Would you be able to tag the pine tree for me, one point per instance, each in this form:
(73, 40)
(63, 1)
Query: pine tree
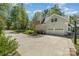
(19, 17)
(54, 10)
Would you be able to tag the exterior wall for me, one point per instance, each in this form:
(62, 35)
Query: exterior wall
(41, 27)
(34, 24)
(60, 27)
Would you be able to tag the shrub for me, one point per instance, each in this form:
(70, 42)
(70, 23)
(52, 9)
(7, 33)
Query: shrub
(7, 45)
(29, 32)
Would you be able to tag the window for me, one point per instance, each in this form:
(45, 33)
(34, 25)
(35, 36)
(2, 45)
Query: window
(55, 19)
(52, 20)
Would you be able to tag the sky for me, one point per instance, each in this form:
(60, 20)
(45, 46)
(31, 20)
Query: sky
(67, 8)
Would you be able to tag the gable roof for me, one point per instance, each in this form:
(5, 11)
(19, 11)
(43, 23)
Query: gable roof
(55, 15)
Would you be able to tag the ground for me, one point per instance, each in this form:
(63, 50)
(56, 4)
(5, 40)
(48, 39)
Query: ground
(43, 45)
(77, 45)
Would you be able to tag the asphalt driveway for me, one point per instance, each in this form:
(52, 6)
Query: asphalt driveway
(43, 45)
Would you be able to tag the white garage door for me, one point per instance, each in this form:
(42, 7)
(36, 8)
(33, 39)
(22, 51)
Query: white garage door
(56, 31)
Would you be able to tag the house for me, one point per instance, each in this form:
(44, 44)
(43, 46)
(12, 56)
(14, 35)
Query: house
(54, 24)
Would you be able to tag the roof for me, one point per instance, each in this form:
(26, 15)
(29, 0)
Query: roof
(57, 16)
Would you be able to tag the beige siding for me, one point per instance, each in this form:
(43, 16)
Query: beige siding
(60, 27)
(41, 27)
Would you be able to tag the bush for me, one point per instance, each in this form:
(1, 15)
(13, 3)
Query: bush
(7, 45)
(30, 32)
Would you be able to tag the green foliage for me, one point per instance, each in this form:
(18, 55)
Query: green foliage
(3, 13)
(7, 45)
(19, 17)
(37, 16)
(77, 46)
(30, 32)
(54, 10)
(4, 6)
(1, 25)
(8, 24)
(72, 19)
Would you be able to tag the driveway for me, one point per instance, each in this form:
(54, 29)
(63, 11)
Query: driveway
(43, 45)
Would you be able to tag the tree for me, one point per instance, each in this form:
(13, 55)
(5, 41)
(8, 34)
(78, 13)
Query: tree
(4, 12)
(44, 13)
(72, 19)
(7, 45)
(54, 10)
(1, 25)
(8, 23)
(3, 15)
(24, 20)
(19, 17)
(37, 18)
